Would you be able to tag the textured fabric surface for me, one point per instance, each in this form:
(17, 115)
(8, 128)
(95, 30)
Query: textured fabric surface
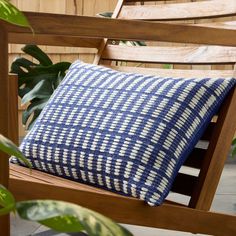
(123, 132)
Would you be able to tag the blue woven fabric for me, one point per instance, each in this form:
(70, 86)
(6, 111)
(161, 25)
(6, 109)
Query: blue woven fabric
(127, 133)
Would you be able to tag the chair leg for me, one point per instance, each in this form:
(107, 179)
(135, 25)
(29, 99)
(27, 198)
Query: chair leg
(13, 130)
(4, 119)
(5, 225)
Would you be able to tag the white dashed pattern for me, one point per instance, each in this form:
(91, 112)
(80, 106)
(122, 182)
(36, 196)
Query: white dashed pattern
(123, 132)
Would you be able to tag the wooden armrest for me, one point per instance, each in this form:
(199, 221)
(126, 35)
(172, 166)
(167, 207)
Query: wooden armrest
(94, 27)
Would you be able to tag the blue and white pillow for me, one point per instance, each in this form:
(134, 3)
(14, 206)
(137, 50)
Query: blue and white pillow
(123, 132)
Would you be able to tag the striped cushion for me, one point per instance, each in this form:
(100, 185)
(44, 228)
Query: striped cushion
(127, 133)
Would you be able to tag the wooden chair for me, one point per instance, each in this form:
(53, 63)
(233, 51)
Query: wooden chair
(194, 215)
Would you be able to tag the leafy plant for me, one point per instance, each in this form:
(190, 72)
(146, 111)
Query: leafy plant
(11, 14)
(167, 66)
(57, 215)
(233, 151)
(12, 150)
(37, 81)
(106, 14)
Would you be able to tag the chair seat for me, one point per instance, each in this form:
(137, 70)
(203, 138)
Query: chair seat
(34, 176)
(22, 176)
(26, 184)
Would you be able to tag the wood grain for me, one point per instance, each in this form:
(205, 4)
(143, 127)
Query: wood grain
(103, 44)
(122, 209)
(175, 55)
(220, 24)
(13, 110)
(216, 155)
(180, 11)
(4, 119)
(175, 72)
(79, 26)
(53, 40)
(72, 7)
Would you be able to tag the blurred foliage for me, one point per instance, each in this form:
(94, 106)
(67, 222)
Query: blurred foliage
(57, 215)
(11, 14)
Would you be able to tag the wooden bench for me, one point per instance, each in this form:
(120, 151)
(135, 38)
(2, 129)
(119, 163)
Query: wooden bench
(214, 44)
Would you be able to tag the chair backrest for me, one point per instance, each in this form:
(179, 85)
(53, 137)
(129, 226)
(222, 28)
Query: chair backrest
(184, 60)
(181, 10)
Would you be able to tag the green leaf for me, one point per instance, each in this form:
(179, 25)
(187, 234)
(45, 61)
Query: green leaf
(34, 118)
(234, 142)
(11, 14)
(55, 215)
(35, 107)
(97, 224)
(16, 69)
(58, 80)
(7, 201)
(61, 66)
(38, 73)
(25, 117)
(141, 43)
(167, 66)
(41, 90)
(132, 43)
(38, 54)
(68, 217)
(69, 224)
(33, 77)
(23, 91)
(105, 14)
(233, 152)
(21, 63)
(11, 149)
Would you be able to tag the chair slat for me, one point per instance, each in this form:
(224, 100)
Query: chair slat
(175, 55)
(221, 25)
(129, 1)
(216, 155)
(176, 72)
(180, 11)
